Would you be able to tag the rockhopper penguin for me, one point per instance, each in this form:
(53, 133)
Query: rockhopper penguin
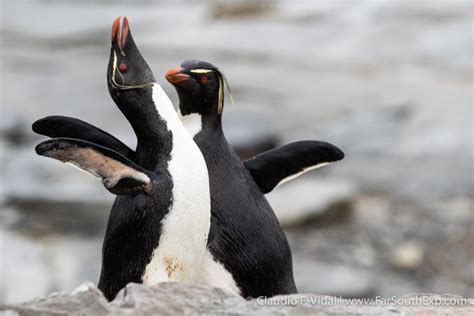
(159, 223)
(245, 234)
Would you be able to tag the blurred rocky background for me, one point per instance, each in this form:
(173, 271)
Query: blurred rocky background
(390, 82)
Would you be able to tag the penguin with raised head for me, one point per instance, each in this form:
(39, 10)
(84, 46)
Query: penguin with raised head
(246, 236)
(159, 223)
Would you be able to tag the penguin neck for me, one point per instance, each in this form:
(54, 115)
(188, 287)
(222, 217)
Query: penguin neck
(153, 132)
(160, 147)
(166, 111)
(199, 123)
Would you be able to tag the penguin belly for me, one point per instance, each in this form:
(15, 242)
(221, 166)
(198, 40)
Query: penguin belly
(181, 251)
(215, 274)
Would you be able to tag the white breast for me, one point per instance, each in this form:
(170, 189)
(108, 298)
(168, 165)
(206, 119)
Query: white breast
(215, 274)
(192, 122)
(182, 254)
(182, 250)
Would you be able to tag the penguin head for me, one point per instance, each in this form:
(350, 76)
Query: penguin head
(133, 88)
(200, 88)
(128, 74)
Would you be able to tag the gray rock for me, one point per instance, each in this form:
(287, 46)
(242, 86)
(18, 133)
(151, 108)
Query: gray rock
(306, 199)
(14, 129)
(246, 141)
(86, 300)
(330, 279)
(180, 299)
(408, 256)
(21, 254)
(240, 9)
(35, 265)
(43, 216)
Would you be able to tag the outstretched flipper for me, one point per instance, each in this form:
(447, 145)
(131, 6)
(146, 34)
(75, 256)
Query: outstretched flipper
(63, 126)
(282, 164)
(118, 174)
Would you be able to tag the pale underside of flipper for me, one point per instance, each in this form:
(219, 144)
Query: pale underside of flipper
(118, 174)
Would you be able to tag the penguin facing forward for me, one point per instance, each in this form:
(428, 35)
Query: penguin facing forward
(159, 223)
(246, 235)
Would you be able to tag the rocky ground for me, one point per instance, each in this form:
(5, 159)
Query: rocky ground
(179, 299)
(390, 82)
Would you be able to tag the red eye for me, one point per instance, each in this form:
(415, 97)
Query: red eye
(122, 67)
(204, 80)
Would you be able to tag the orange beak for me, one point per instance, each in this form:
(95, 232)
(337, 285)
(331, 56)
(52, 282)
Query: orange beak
(175, 76)
(120, 30)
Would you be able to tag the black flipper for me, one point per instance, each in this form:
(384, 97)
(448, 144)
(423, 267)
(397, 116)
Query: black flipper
(279, 165)
(118, 174)
(63, 126)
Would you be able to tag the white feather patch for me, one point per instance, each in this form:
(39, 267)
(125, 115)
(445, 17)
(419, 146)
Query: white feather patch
(193, 123)
(215, 274)
(296, 175)
(182, 250)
